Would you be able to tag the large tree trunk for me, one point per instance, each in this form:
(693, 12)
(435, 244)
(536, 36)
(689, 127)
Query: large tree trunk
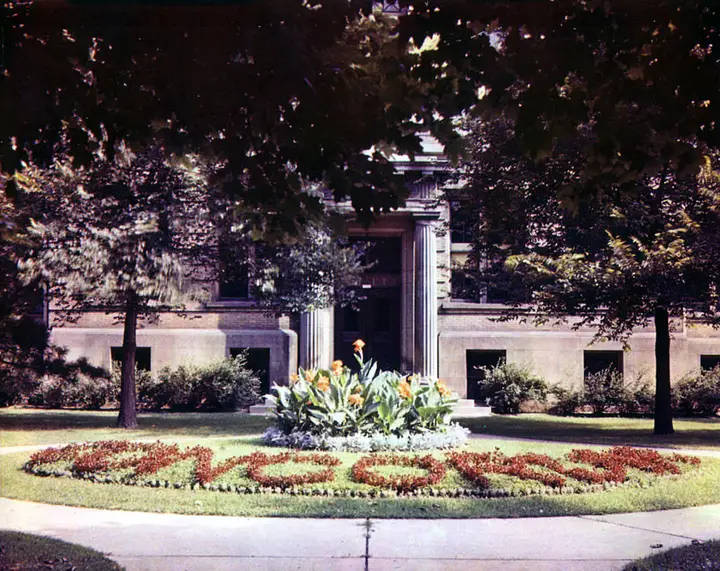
(663, 408)
(128, 399)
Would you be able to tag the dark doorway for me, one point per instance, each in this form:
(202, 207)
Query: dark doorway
(258, 360)
(376, 317)
(475, 360)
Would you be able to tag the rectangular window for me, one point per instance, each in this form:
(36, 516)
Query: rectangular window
(475, 360)
(381, 255)
(234, 272)
(596, 361)
(709, 362)
(258, 360)
(462, 224)
(142, 357)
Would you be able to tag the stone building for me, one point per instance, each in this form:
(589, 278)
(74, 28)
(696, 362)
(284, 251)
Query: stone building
(409, 316)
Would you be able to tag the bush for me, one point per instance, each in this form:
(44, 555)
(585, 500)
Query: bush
(605, 392)
(507, 385)
(336, 402)
(225, 385)
(698, 393)
(78, 391)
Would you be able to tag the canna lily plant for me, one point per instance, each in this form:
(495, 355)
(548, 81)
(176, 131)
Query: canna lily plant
(339, 402)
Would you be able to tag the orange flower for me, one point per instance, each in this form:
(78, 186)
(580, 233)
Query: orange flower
(337, 367)
(309, 376)
(323, 384)
(294, 378)
(358, 389)
(358, 345)
(356, 400)
(404, 389)
(442, 389)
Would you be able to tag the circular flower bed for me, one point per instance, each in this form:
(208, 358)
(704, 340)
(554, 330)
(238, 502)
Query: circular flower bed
(581, 470)
(362, 472)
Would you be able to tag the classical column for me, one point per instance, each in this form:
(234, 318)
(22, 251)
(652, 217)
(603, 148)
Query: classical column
(316, 338)
(426, 324)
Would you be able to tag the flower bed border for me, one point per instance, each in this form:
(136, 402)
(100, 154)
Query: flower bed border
(473, 465)
(362, 472)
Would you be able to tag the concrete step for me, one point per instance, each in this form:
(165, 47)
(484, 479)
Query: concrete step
(467, 408)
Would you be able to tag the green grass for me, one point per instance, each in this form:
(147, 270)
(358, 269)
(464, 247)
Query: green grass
(23, 427)
(609, 431)
(703, 556)
(33, 552)
(697, 487)
(20, 427)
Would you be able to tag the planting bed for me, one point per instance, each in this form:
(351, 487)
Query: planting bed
(452, 474)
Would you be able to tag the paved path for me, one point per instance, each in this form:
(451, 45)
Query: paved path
(168, 542)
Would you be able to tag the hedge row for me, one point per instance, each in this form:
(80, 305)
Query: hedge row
(507, 386)
(221, 386)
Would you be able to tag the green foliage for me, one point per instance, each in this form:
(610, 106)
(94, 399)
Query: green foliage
(57, 383)
(320, 270)
(507, 385)
(336, 402)
(605, 392)
(221, 386)
(698, 393)
(283, 92)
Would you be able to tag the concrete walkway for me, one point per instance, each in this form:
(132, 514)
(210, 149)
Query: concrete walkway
(165, 542)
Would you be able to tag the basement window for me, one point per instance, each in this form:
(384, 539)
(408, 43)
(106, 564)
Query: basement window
(596, 361)
(142, 357)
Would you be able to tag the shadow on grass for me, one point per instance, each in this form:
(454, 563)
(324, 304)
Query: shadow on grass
(698, 433)
(194, 424)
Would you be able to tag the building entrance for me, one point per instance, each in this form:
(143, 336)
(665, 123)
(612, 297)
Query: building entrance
(376, 319)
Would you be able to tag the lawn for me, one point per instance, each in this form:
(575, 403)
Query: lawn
(698, 486)
(610, 431)
(236, 434)
(696, 557)
(20, 427)
(33, 552)
(24, 427)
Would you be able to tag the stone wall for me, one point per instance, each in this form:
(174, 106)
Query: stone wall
(556, 352)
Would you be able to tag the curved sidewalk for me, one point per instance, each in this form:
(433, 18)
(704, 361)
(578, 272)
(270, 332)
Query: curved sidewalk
(168, 542)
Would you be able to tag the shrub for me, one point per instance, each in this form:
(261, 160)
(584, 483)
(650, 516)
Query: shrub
(78, 391)
(507, 385)
(224, 385)
(605, 392)
(698, 393)
(336, 402)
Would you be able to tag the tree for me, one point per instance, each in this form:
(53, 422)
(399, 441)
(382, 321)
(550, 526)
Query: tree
(635, 84)
(618, 263)
(322, 269)
(281, 92)
(131, 234)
